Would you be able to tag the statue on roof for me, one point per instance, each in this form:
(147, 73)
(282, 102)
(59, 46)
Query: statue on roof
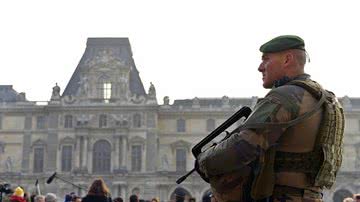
(166, 100)
(55, 92)
(152, 91)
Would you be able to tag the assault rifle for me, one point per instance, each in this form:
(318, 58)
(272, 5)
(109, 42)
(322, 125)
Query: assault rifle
(197, 149)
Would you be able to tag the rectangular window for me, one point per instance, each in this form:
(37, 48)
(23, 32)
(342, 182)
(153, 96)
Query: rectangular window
(107, 92)
(40, 122)
(0, 121)
(38, 160)
(136, 158)
(181, 125)
(66, 158)
(68, 121)
(180, 160)
(102, 121)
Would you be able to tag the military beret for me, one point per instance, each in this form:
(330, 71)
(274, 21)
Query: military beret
(282, 43)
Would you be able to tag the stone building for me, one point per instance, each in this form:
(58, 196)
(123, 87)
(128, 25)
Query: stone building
(106, 125)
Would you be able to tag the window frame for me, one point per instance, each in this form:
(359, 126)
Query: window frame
(38, 164)
(66, 158)
(180, 164)
(41, 122)
(181, 125)
(136, 158)
(68, 123)
(103, 121)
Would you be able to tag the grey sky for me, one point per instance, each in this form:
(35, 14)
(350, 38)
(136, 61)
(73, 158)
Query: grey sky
(186, 48)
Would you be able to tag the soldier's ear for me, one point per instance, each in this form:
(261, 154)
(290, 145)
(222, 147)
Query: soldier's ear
(288, 59)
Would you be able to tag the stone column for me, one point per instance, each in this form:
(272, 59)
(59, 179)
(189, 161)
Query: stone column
(163, 193)
(77, 152)
(114, 191)
(116, 153)
(89, 155)
(81, 147)
(124, 151)
(84, 152)
(123, 192)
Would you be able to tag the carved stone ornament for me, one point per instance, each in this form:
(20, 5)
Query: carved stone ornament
(166, 100)
(225, 101)
(83, 119)
(136, 99)
(104, 59)
(83, 86)
(196, 102)
(121, 120)
(9, 164)
(164, 163)
(68, 99)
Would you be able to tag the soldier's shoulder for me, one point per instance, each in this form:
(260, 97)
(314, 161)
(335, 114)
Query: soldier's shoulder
(287, 90)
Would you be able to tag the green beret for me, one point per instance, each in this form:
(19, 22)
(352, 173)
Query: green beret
(282, 43)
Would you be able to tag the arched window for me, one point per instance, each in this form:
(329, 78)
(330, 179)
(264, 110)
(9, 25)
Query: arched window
(66, 158)
(210, 125)
(68, 121)
(181, 160)
(101, 157)
(181, 125)
(102, 121)
(137, 121)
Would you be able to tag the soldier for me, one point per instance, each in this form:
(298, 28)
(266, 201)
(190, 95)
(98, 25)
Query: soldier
(290, 147)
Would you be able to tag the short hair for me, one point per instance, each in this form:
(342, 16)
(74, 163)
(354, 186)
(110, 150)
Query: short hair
(50, 197)
(39, 198)
(300, 56)
(133, 198)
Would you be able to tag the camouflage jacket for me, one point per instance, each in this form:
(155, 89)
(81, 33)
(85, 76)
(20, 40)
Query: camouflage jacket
(282, 104)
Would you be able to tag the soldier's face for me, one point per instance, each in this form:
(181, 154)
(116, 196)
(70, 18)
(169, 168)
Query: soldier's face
(271, 69)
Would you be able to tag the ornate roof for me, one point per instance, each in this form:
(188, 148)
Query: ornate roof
(106, 50)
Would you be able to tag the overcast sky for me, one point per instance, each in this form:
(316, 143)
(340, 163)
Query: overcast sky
(187, 48)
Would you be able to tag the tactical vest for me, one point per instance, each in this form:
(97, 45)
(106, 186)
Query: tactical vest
(324, 161)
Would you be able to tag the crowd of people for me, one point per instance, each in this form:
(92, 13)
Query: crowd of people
(98, 192)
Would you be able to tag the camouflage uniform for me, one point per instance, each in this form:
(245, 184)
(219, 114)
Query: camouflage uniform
(229, 163)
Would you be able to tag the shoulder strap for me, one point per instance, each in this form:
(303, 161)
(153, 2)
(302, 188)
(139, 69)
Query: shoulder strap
(306, 115)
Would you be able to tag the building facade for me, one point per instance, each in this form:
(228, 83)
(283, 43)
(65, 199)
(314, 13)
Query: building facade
(104, 124)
